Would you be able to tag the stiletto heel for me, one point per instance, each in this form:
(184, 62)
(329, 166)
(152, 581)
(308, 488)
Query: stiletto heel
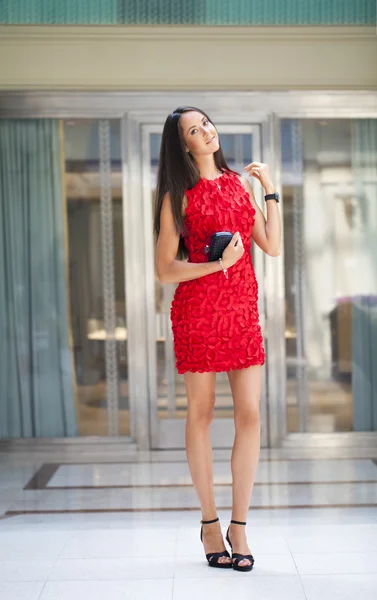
(213, 557)
(239, 557)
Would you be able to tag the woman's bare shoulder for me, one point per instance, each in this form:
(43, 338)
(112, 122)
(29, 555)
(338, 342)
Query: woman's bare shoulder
(168, 205)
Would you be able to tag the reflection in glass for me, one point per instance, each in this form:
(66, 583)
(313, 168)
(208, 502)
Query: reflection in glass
(87, 284)
(330, 231)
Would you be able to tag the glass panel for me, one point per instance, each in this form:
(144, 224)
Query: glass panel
(330, 232)
(102, 377)
(171, 392)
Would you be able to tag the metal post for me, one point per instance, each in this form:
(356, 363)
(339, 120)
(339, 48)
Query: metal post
(112, 379)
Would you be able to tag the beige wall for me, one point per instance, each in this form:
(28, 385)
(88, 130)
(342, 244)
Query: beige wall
(202, 58)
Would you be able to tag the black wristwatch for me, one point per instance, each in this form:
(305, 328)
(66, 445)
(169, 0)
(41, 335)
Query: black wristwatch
(274, 196)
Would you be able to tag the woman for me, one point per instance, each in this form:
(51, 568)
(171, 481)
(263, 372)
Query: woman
(214, 312)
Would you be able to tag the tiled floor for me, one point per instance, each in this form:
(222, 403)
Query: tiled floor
(312, 526)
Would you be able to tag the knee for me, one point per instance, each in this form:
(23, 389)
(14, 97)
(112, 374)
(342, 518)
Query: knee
(248, 417)
(200, 416)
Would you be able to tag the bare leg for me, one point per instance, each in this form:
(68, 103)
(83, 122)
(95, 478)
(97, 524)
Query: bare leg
(201, 399)
(246, 389)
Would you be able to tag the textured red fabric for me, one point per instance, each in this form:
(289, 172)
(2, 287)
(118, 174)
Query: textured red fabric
(215, 320)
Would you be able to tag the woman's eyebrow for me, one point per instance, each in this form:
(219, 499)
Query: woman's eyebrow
(195, 125)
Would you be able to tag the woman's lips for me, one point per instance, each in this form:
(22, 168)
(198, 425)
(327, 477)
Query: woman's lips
(210, 140)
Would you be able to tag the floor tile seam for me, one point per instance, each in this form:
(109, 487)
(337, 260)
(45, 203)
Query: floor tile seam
(297, 571)
(173, 577)
(143, 577)
(300, 458)
(42, 590)
(258, 577)
(260, 553)
(176, 560)
(7, 506)
(110, 559)
(191, 486)
(291, 554)
(337, 553)
(138, 579)
(15, 560)
(369, 460)
(42, 581)
(129, 510)
(59, 557)
(302, 587)
(175, 548)
(341, 575)
(338, 574)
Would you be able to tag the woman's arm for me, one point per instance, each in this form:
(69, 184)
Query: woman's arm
(266, 234)
(169, 269)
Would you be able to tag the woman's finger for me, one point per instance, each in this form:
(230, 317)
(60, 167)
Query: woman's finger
(239, 243)
(254, 164)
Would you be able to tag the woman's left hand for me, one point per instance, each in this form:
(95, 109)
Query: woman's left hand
(260, 171)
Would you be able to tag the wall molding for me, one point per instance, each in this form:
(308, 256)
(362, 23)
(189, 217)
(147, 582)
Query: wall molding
(35, 57)
(110, 33)
(244, 106)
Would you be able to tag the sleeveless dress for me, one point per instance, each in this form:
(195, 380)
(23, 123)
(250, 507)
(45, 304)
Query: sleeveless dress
(215, 321)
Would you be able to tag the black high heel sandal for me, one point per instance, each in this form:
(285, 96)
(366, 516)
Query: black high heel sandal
(213, 557)
(239, 557)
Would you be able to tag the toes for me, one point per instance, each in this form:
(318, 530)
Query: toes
(222, 559)
(244, 563)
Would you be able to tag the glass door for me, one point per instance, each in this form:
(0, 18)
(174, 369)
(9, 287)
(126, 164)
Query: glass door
(93, 189)
(329, 180)
(168, 403)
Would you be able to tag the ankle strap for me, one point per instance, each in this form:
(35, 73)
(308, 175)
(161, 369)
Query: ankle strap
(207, 522)
(238, 522)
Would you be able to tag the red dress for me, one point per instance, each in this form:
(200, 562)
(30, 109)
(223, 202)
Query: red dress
(215, 320)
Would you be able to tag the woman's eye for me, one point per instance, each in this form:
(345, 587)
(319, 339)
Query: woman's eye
(205, 122)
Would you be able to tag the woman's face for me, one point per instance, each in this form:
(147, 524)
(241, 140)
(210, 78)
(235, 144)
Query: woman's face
(199, 134)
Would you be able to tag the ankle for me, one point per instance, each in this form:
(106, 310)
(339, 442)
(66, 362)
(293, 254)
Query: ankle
(237, 530)
(209, 520)
(211, 529)
(238, 522)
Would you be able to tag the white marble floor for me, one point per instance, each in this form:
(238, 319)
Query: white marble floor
(312, 528)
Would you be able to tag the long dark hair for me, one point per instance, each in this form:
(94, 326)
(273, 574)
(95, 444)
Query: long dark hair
(177, 171)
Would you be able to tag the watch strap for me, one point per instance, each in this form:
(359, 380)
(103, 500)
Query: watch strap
(274, 196)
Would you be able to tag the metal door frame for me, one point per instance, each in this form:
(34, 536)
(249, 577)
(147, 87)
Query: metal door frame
(170, 432)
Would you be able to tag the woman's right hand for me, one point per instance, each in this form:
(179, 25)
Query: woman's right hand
(233, 252)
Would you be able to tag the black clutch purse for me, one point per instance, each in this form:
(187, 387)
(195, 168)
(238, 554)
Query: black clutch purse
(219, 242)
